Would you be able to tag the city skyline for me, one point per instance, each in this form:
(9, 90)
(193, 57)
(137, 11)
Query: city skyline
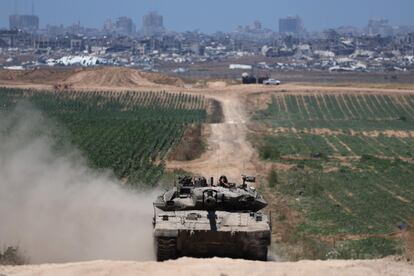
(227, 15)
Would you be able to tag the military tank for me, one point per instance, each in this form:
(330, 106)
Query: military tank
(200, 219)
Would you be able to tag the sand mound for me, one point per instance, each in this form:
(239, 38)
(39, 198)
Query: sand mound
(103, 77)
(107, 77)
(119, 77)
(216, 84)
(35, 76)
(161, 79)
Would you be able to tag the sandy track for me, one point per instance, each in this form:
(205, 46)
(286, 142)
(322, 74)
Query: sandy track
(228, 152)
(186, 266)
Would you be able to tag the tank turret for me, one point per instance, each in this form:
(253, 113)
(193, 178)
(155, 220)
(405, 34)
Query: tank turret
(196, 194)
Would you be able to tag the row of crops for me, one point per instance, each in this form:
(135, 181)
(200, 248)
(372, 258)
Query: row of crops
(374, 197)
(343, 120)
(353, 111)
(304, 145)
(129, 132)
(351, 187)
(354, 212)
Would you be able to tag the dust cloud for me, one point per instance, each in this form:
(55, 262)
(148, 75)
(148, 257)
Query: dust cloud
(55, 208)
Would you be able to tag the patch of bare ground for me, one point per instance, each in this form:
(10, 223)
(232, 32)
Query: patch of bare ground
(192, 144)
(216, 266)
(330, 169)
(216, 84)
(115, 78)
(36, 76)
(259, 100)
(279, 166)
(118, 77)
(408, 239)
(211, 83)
(161, 79)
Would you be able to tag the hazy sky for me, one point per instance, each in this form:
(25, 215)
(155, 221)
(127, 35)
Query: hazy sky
(213, 15)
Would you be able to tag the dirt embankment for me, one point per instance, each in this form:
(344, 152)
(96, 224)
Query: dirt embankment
(88, 78)
(119, 77)
(35, 76)
(216, 266)
(191, 145)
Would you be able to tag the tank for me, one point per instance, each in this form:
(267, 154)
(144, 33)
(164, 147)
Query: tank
(198, 219)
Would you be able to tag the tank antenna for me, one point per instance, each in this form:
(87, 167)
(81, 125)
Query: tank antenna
(218, 164)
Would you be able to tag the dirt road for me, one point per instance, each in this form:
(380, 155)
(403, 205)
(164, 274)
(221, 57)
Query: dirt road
(228, 152)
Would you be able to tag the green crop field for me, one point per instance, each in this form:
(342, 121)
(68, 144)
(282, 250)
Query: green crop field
(129, 133)
(350, 160)
(341, 111)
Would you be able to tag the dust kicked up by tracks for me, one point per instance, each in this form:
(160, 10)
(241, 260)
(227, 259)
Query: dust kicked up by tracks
(55, 209)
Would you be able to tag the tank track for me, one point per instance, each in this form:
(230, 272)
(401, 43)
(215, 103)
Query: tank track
(259, 254)
(258, 251)
(166, 249)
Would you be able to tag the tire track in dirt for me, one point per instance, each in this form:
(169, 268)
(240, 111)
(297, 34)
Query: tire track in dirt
(228, 151)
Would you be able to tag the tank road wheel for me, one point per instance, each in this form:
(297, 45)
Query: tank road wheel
(166, 249)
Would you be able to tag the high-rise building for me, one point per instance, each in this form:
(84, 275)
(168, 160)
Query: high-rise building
(28, 23)
(153, 24)
(291, 25)
(125, 25)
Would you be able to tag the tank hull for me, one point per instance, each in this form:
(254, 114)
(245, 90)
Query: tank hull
(211, 234)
